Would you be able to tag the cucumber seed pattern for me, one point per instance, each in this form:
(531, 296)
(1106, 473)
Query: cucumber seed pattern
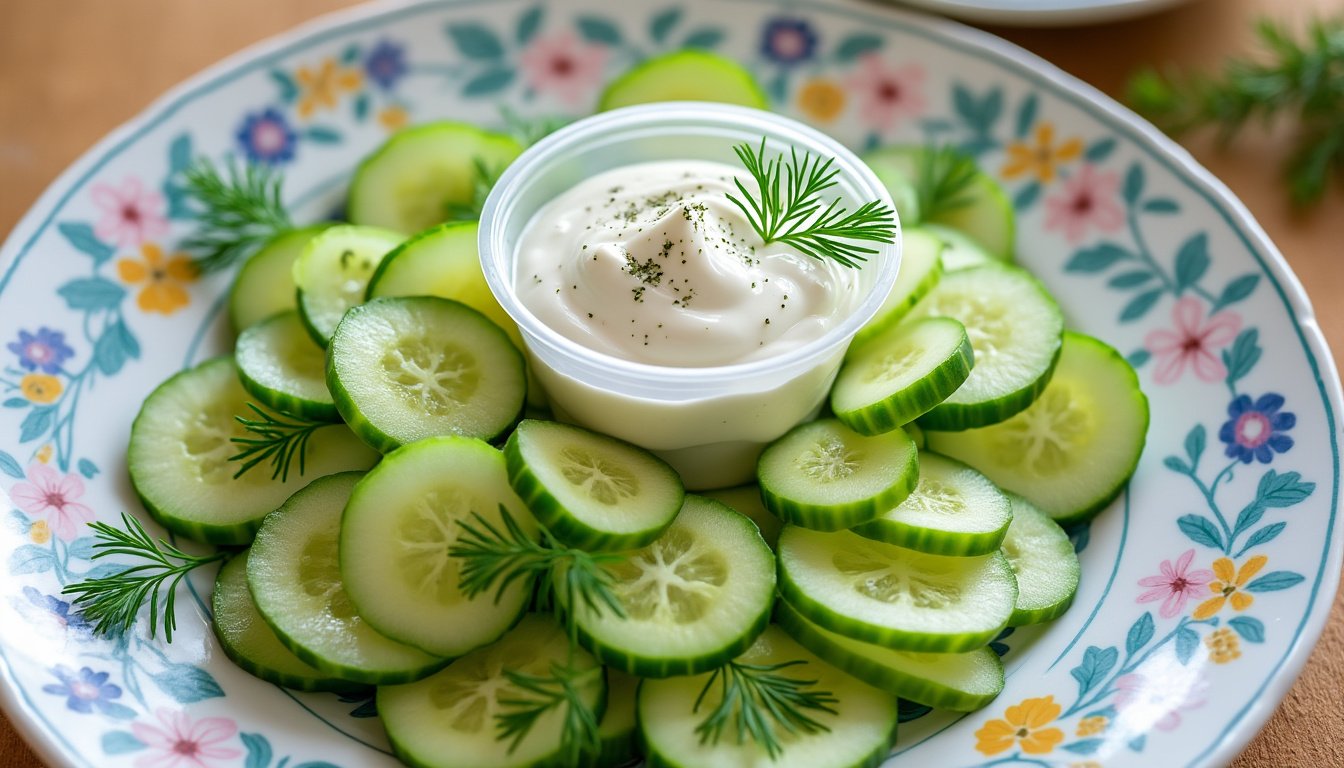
(893, 365)
(888, 580)
(320, 575)
(1038, 439)
(209, 446)
(425, 533)
(936, 498)
(829, 460)
(988, 324)
(601, 479)
(470, 692)
(437, 378)
(673, 575)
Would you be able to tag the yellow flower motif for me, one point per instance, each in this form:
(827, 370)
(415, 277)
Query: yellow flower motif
(1023, 724)
(164, 279)
(40, 532)
(821, 99)
(1227, 585)
(1091, 726)
(321, 88)
(40, 388)
(1224, 646)
(393, 118)
(1042, 157)
(44, 454)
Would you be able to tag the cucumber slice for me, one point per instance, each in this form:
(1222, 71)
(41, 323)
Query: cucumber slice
(920, 270)
(859, 732)
(1072, 451)
(280, 365)
(419, 174)
(685, 75)
(916, 434)
(179, 457)
(249, 642)
(824, 475)
(953, 510)
(265, 283)
(618, 729)
(980, 209)
(450, 720)
(589, 490)
(896, 597)
(959, 250)
(1046, 565)
(294, 576)
(1015, 329)
(693, 599)
(396, 531)
(406, 368)
(901, 374)
(961, 682)
(747, 500)
(332, 274)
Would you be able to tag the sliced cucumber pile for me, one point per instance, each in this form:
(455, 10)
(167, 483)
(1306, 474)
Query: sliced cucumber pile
(281, 367)
(264, 284)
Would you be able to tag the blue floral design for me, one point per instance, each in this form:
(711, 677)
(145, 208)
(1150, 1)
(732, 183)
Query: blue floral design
(1256, 430)
(60, 610)
(45, 350)
(788, 41)
(265, 137)
(386, 64)
(84, 690)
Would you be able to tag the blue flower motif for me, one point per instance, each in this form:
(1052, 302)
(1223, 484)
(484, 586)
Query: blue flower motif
(60, 610)
(84, 690)
(386, 64)
(45, 350)
(1255, 430)
(266, 137)
(788, 41)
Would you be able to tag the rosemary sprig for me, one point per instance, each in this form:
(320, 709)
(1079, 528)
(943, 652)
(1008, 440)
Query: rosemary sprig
(786, 207)
(113, 602)
(483, 180)
(755, 700)
(563, 687)
(277, 440)
(1303, 76)
(242, 210)
(945, 178)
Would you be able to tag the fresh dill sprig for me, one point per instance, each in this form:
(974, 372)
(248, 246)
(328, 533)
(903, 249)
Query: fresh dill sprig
(945, 178)
(242, 210)
(755, 700)
(786, 207)
(113, 602)
(530, 130)
(277, 440)
(563, 687)
(1303, 76)
(483, 180)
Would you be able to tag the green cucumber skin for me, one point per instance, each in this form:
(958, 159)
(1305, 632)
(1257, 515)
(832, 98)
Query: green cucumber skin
(895, 682)
(1022, 617)
(931, 541)
(955, 417)
(617, 93)
(656, 759)
(241, 308)
(318, 337)
(894, 314)
(919, 398)
(288, 404)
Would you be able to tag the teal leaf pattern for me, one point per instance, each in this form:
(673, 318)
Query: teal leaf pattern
(80, 235)
(475, 41)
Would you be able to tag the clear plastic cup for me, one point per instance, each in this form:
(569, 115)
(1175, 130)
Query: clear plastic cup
(710, 423)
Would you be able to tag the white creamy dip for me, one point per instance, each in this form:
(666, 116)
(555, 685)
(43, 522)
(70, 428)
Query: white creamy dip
(653, 263)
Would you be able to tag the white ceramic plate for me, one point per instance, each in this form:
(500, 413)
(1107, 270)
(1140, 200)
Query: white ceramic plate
(1042, 13)
(1204, 586)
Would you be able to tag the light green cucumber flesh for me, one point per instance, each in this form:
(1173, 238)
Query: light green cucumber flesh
(1074, 449)
(618, 731)
(826, 476)
(694, 598)
(685, 75)
(448, 719)
(180, 450)
(896, 597)
(250, 643)
(283, 369)
(332, 274)
(857, 734)
(589, 490)
(921, 268)
(265, 283)
(747, 500)
(404, 368)
(1015, 328)
(396, 532)
(294, 575)
(419, 176)
(959, 251)
(901, 374)
(961, 682)
(1045, 562)
(954, 510)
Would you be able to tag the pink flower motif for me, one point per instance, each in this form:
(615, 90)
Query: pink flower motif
(1086, 200)
(886, 95)
(131, 213)
(1175, 586)
(563, 65)
(48, 494)
(1192, 342)
(180, 743)
(1159, 699)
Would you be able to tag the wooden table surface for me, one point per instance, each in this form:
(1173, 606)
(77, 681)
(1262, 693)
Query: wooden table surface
(70, 71)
